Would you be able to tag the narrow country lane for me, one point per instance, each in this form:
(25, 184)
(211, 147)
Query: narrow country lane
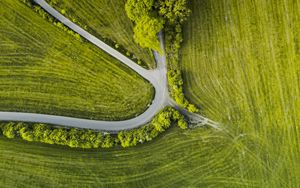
(157, 77)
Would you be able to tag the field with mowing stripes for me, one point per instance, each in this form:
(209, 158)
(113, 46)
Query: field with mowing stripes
(106, 19)
(45, 70)
(193, 158)
(241, 64)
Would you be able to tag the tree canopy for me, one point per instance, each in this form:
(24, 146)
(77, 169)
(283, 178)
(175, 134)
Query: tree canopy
(136, 9)
(174, 10)
(145, 32)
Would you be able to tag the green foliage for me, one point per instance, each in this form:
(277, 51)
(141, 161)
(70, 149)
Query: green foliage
(161, 122)
(145, 32)
(147, 24)
(137, 9)
(84, 138)
(174, 11)
(73, 137)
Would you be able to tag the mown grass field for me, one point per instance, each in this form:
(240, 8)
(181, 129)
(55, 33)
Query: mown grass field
(107, 19)
(241, 64)
(45, 70)
(193, 158)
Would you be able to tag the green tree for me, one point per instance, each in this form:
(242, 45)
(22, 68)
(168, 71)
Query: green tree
(145, 32)
(136, 9)
(174, 10)
(9, 131)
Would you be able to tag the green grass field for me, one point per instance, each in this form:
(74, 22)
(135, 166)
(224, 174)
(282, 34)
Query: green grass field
(45, 70)
(193, 158)
(241, 65)
(107, 19)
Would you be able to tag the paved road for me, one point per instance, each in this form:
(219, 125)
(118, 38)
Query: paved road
(156, 77)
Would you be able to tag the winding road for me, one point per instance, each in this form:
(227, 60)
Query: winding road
(157, 77)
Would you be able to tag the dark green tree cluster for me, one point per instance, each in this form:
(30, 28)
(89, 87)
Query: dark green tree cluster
(148, 24)
(74, 138)
(159, 124)
(49, 18)
(173, 11)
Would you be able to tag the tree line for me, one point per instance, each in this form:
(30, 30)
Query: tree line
(85, 138)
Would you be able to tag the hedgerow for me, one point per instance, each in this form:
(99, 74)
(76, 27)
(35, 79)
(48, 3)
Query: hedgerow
(85, 138)
(159, 124)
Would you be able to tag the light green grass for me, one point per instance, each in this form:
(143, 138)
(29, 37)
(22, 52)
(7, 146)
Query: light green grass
(241, 63)
(107, 19)
(45, 70)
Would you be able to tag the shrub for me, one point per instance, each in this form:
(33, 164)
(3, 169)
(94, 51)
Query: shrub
(147, 24)
(145, 32)
(159, 124)
(136, 9)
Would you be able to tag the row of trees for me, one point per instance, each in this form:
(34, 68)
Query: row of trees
(75, 138)
(82, 138)
(159, 124)
(173, 41)
(175, 12)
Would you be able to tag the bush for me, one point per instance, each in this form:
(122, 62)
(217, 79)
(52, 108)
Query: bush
(174, 11)
(147, 24)
(136, 9)
(145, 32)
(159, 124)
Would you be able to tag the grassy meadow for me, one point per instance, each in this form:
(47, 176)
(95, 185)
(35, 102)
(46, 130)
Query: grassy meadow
(45, 70)
(106, 19)
(241, 64)
(192, 158)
